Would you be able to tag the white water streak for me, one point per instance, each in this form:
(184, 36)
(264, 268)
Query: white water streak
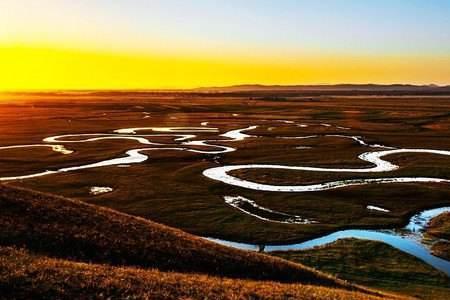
(133, 156)
(380, 165)
(372, 207)
(238, 202)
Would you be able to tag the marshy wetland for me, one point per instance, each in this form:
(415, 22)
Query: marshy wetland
(242, 168)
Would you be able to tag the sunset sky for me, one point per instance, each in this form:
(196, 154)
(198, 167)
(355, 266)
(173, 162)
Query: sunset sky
(138, 44)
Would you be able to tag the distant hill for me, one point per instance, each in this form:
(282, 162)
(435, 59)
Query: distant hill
(328, 88)
(43, 238)
(335, 87)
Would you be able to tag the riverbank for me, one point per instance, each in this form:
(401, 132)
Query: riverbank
(374, 264)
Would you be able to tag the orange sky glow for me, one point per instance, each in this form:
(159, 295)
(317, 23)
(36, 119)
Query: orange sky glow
(136, 45)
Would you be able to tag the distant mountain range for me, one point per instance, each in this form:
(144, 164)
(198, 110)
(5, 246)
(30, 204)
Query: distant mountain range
(325, 87)
(331, 89)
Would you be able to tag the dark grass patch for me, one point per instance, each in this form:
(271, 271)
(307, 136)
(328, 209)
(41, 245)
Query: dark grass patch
(376, 265)
(439, 227)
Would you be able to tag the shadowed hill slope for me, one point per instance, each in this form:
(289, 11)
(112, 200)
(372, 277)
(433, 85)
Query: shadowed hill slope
(71, 229)
(70, 245)
(27, 276)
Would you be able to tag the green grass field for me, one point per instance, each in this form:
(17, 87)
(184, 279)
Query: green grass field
(376, 265)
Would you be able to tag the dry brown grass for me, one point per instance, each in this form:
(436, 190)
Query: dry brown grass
(170, 189)
(62, 229)
(27, 276)
(70, 229)
(56, 248)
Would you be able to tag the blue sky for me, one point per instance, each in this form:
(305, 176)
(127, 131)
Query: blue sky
(393, 26)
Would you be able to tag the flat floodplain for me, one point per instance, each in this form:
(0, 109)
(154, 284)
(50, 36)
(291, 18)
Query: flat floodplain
(169, 187)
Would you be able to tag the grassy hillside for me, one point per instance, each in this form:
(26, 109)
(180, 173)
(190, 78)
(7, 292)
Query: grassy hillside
(376, 265)
(27, 276)
(62, 232)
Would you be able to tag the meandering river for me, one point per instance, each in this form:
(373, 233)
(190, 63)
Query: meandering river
(408, 239)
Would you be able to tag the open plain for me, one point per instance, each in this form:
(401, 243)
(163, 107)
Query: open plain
(241, 168)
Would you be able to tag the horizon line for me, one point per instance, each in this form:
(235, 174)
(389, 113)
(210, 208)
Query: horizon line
(243, 85)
